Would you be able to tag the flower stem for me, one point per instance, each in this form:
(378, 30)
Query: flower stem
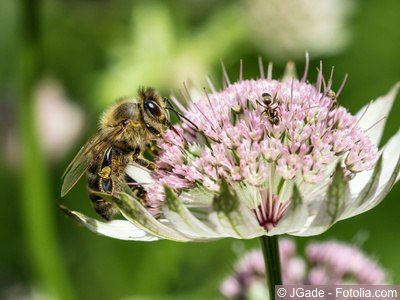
(270, 248)
(38, 209)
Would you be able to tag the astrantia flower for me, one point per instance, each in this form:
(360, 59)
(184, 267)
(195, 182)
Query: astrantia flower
(324, 263)
(261, 157)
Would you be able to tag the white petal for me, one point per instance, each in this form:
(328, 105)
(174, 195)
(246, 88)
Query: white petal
(132, 210)
(230, 217)
(183, 220)
(358, 197)
(239, 223)
(140, 174)
(118, 229)
(328, 210)
(358, 183)
(372, 116)
(296, 216)
(197, 197)
(388, 176)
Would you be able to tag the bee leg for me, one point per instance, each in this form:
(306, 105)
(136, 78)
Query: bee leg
(105, 182)
(153, 149)
(137, 158)
(136, 189)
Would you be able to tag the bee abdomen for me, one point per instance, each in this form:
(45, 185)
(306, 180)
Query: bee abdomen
(105, 209)
(106, 185)
(93, 181)
(98, 184)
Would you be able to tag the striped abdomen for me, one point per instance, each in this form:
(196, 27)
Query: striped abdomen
(99, 180)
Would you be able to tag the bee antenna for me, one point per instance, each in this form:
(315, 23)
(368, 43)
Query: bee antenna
(167, 101)
(180, 116)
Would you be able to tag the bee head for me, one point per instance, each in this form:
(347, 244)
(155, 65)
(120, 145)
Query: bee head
(154, 112)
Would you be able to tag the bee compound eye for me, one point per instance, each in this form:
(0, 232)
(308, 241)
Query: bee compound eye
(153, 108)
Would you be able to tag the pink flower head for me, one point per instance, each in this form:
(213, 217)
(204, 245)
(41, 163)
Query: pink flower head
(325, 263)
(335, 262)
(261, 137)
(300, 134)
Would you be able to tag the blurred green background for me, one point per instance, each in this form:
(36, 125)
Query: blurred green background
(63, 62)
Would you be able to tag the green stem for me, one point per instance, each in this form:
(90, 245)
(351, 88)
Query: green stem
(270, 248)
(37, 204)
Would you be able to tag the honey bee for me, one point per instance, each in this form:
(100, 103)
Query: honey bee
(271, 108)
(126, 130)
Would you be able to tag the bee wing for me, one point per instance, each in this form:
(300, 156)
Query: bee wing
(81, 162)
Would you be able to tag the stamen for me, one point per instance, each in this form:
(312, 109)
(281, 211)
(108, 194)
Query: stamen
(342, 86)
(241, 70)
(303, 79)
(211, 84)
(291, 92)
(327, 87)
(225, 77)
(187, 92)
(320, 77)
(178, 104)
(330, 80)
(363, 114)
(324, 86)
(261, 67)
(376, 123)
(211, 106)
(205, 117)
(269, 70)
